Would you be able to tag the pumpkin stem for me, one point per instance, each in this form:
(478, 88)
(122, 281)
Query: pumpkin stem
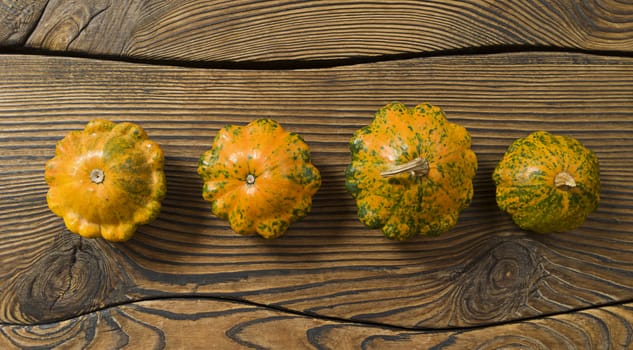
(250, 179)
(417, 167)
(97, 176)
(564, 181)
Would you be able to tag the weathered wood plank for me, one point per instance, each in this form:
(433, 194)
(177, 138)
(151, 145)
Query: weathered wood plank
(484, 271)
(18, 19)
(249, 30)
(212, 324)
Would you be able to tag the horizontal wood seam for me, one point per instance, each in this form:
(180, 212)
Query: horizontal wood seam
(362, 323)
(317, 64)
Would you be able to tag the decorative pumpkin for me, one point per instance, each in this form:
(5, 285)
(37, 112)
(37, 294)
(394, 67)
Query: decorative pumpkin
(411, 171)
(106, 180)
(547, 182)
(259, 177)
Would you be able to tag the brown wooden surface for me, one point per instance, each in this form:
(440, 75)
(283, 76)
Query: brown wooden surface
(216, 324)
(187, 281)
(310, 30)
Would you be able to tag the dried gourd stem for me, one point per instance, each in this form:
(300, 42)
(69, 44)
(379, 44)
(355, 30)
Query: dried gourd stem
(250, 179)
(416, 167)
(564, 181)
(97, 176)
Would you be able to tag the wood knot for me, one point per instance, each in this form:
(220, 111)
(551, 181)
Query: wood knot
(63, 24)
(497, 286)
(72, 277)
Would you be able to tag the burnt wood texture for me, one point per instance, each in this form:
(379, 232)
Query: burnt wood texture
(187, 281)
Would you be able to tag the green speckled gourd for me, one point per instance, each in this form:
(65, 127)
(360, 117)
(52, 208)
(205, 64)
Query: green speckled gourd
(547, 183)
(259, 177)
(411, 171)
(106, 180)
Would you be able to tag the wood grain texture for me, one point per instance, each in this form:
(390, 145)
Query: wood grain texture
(18, 18)
(242, 30)
(210, 324)
(483, 272)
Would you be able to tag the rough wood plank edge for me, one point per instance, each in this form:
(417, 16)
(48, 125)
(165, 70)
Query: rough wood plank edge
(249, 30)
(212, 324)
(482, 272)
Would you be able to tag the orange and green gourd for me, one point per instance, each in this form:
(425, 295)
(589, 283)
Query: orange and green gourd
(411, 171)
(106, 180)
(259, 177)
(547, 183)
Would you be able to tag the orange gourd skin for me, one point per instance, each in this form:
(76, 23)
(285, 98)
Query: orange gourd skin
(405, 205)
(259, 177)
(526, 188)
(106, 180)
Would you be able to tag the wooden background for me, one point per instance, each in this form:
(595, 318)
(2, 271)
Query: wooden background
(183, 69)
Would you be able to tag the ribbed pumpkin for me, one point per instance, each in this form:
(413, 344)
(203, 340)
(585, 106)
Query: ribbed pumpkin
(106, 180)
(547, 183)
(259, 177)
(411, 171)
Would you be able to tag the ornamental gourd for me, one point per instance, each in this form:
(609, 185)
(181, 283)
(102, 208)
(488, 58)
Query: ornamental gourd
(547, 182)
(259, 177)
(106, 180)
(411, 171)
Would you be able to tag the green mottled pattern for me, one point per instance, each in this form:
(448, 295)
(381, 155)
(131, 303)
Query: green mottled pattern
(405, 206)
(278, 161)
(136, 174)
(525, 188)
